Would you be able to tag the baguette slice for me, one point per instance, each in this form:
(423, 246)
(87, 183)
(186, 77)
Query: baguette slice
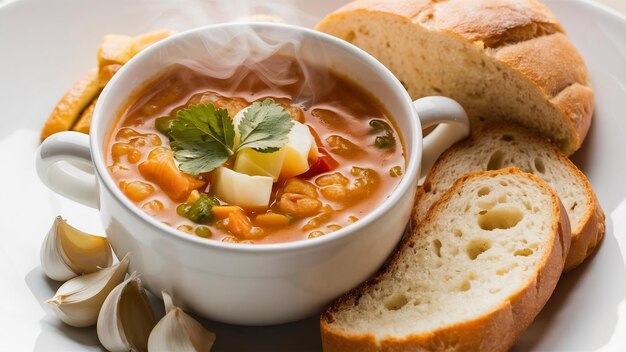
(500, 59)
(84, 122)
(471, 277)
(505, 145)
(69, 108)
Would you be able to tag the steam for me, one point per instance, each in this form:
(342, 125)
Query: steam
(231, 52)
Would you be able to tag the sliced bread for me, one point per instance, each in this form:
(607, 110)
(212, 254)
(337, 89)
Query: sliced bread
(500, 59)
(471, 277)
(503, 145)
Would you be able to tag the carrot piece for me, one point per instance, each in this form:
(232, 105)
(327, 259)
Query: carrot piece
(271, 220)
(222, 211)
(161, 169)
(239, 224)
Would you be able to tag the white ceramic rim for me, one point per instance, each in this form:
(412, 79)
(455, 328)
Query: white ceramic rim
(413, 136)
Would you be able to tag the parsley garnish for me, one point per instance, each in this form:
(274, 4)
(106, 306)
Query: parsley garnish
(203, 137)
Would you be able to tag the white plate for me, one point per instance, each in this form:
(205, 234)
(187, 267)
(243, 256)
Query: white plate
(45, 46)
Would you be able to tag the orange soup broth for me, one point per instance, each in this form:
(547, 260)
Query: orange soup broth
(351, 108)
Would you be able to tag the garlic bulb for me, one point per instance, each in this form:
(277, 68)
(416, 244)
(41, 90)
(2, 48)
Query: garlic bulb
(126, 318)
(78, 301)
(178, 331)
(67, 252)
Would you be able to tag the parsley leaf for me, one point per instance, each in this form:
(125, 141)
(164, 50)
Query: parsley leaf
(202, 137)
(264, 127)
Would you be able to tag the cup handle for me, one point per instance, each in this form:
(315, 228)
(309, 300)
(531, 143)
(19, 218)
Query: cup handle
(64, 165)
(453, 126)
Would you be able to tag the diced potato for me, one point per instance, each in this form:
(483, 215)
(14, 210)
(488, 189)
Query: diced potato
(240, 189)
(298, 147)
(253, 163)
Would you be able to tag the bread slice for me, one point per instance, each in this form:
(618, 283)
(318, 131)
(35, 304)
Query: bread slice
(75, 100)
(503, 145)
(500, 59)
(471, 277)
(84, 121)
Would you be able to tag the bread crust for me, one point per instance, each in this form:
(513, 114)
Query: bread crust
(516, 34)
(585, 237)
(497, 330)
(84, 122)
(74, 101)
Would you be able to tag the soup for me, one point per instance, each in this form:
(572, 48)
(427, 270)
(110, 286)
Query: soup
(262, 156)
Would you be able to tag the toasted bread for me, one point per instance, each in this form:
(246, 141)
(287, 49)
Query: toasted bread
(69, 108)
(84, 122)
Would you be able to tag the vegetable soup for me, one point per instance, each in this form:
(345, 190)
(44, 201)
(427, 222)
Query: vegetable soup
(255, 160)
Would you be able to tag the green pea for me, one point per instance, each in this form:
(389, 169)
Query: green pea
(201, 211)
(164, 124)
(203, 231)
(182, 209)
(395, 171)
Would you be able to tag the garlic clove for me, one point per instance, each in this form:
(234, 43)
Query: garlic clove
(177, 331)
(68, 252)
(78, 301)
(126, 318)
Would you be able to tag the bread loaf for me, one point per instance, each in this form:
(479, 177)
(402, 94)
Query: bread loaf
(500, 59)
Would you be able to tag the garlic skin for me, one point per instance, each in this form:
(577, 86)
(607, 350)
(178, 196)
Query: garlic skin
(177, 331)
(126, 318)
(67, 252)
(78, 301)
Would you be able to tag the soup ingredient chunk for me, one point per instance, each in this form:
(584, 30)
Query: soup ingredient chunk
(200, 211)
(299, 198)
(203, 138)
(137, 190)
(337, 187)
(290, 160)
(241, 189)
(344, 147)
(299, 147)
(161, 169)
(385, 138)
(254, 163)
